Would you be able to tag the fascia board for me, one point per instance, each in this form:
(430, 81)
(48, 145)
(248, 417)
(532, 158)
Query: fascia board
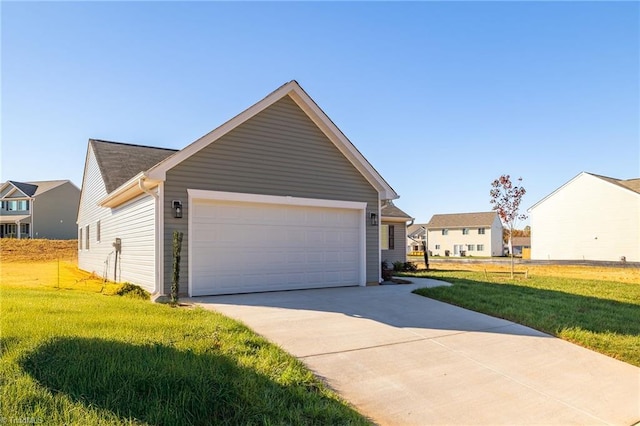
(556, 191)
(127, 191)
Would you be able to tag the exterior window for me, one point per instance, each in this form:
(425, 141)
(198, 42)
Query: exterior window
(16, 205)
(445, 232)
(24, 230)
(79, 238)
(86, 238)
(480, 247)
(98, 231)
(481, 231)
(437, 246)
(387, 237)
(384, 237)
(465, 231)
(470, 247)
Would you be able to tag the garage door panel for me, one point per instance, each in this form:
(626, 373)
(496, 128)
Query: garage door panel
(241, 247)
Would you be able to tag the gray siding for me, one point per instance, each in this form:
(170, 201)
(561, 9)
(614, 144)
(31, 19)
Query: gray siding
(399, 253)
(280, 151)
(55, 213)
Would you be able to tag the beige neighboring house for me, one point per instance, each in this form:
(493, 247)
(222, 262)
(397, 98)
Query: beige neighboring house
(277, 198)
(591, 217)
(465, 234)
(393, 233)
(41, 209)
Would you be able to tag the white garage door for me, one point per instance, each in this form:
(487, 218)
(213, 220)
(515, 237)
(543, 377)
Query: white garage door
(277, 243)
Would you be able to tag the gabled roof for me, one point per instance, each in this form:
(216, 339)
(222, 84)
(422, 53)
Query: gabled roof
(416, 230)
(304, 101)
(629, 184)
(389, 210)
(35, 188)
(462, 220)
(119, 162)
(521, 241)
(632, 184)
(27, 189)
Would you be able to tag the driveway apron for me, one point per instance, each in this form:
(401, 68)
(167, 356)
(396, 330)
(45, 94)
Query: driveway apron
(403, 359)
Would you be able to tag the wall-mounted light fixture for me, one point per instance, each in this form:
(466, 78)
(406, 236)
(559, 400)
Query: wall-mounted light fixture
(177, 208)
(374, 219)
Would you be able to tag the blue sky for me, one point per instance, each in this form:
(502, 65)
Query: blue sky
(440, 97)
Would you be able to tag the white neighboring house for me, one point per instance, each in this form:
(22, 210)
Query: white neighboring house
(591, 217)
(465, 234)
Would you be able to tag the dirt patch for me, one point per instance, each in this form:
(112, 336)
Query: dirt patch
(36, 250)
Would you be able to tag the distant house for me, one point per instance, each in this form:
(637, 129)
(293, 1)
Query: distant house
(393, 233)
(465, 234)
(42, 209)
(591, 217)
(416, 234)
(277, 198)
(519, 244)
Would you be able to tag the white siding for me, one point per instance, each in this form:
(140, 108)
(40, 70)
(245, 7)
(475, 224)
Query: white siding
(588, 218)
(491, 240)
(133, 223)
(496, 238)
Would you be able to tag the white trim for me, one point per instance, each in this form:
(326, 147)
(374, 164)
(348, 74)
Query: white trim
(379, 242)
(160, 240)
(198, 194)
(304, 101)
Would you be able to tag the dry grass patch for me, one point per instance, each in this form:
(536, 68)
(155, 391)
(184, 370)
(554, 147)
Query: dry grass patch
(625, 274)
(12, 250)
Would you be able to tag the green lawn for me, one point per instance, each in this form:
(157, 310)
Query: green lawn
(80, 358)
(600, 315)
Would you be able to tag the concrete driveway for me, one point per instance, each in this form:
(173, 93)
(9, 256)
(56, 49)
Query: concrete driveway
(403, 359)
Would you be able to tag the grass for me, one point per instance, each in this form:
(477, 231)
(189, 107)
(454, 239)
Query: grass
(600, 314)
(71, 354)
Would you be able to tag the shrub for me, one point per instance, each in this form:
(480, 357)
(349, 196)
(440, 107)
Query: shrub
(398, 266)
(133, 291)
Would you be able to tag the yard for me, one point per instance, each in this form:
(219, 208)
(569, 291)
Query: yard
(72, 353)
(594, 307)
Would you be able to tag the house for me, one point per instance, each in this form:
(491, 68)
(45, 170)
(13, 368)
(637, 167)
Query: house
(465, 234)
(42, 209)
(416, 235)
(591, 217)
(276, 198)
(393, 233)
(520, 244)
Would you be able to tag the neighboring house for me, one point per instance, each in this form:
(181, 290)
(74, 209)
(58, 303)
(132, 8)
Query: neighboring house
(393, 233)
(465, 234)
(591, 217)
(276, 198)
(42, 209)
(519, 244)
(416, 234)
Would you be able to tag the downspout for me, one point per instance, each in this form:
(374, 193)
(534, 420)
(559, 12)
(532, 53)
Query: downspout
(155, 249)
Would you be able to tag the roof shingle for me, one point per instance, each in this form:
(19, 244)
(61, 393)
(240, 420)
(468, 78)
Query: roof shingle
(460, 220)
(119, 162)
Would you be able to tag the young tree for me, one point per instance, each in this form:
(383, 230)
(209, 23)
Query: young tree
(506, 199)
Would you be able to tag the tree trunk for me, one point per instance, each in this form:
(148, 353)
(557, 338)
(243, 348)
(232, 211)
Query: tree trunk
(511, 252)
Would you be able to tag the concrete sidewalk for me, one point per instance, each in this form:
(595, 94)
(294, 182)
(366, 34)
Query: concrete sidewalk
(403, 359)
